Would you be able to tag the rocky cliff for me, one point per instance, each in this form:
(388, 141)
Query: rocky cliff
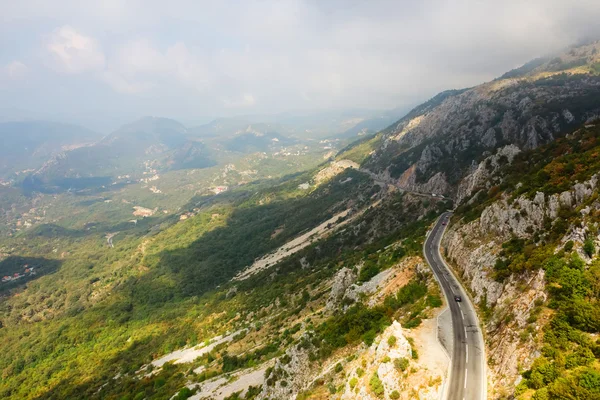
(511, 307)
(440, 143)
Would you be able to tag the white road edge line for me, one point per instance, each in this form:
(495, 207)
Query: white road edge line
(480, 334)
(447, 269)
(444, 391)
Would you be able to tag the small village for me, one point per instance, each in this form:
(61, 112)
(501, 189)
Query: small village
(27, 271)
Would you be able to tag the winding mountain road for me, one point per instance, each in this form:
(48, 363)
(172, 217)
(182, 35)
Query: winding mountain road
(466, 378)
(393, 182)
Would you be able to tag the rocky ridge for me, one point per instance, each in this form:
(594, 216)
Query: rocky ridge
(433, 148)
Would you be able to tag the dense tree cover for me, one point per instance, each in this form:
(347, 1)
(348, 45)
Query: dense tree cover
(358, 323)
(553, 168)
(519, 255)
(568, 367)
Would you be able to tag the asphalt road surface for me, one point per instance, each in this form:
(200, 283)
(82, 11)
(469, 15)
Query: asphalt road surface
(466, 380)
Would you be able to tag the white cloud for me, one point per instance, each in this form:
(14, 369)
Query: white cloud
(139, 66)
(276, 55)
(140, 57)
(16, 70)
(244, 100)
(123, 85)
(187, 68)
(73, 52)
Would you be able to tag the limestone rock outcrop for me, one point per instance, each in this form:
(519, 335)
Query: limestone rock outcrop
(473, 249)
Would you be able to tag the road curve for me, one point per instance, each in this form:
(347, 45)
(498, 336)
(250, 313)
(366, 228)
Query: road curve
(466, 378)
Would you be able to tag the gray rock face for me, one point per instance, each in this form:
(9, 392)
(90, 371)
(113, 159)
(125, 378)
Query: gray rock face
(524, 216)
(231, 292)
(448, 137)
(429, 156)
(508, 349)
(341, 282)
(475, 257)
(436, 184)
(290, 375)
(568, 116)
(489, 138)
(354, 291)
(479, 176)
(476, 244)
(521, 218)
(473, 248)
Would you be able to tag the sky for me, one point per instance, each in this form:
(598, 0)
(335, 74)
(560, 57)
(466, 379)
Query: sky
(114, 60)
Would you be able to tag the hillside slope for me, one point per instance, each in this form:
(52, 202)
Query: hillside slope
(526, 244)
(150, 146)
(28, 144)
(142, 146)
(163, 289)
(436, 145)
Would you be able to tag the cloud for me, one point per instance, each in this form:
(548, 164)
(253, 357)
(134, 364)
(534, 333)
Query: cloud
(122, 85)
(187, 68)
(192, 57)
(138, 66)
(16, 70)
(140, 57)
(242, 101)
(72, 52)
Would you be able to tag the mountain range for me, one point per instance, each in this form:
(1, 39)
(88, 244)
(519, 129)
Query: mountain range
(436, 146)
(28, 144)
(51, 152)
